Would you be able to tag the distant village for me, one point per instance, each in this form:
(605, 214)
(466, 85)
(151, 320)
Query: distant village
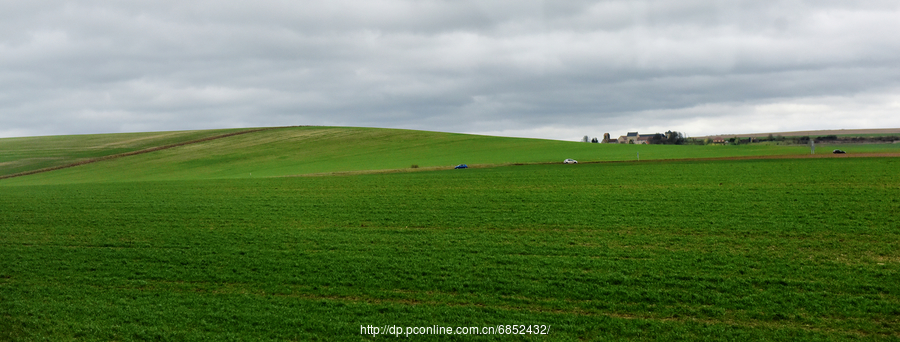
(678, 138)
(666, 138)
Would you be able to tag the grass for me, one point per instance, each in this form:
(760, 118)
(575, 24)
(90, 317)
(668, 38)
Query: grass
(31, 153)
(788, 249)
(321, 150)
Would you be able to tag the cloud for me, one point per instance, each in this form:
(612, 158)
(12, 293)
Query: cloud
(545, 69)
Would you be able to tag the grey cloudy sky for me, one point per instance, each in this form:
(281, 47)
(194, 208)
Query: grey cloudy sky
(530, 68)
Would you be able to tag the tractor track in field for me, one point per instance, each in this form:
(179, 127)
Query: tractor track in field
(134, 153)
(477, 166)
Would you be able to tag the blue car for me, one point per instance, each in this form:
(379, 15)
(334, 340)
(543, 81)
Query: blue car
(461, 166)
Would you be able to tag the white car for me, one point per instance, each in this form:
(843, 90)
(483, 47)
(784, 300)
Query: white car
(570, 161)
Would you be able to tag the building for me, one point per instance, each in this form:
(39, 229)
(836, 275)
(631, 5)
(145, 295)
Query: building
(607, 140)
(630, 138)
(646, 139)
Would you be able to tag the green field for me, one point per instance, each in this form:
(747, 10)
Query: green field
(781, 249)
(30, 153)
(314, 150)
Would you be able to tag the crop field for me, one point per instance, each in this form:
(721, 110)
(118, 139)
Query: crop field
(780, 249)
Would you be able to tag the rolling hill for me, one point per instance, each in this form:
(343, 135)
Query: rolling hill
(291, 151)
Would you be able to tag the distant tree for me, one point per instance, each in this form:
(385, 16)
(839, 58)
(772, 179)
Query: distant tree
(595, 141)
(827, 138)
(657, 139)
(771, 137)
(585, 139)
(675, 138)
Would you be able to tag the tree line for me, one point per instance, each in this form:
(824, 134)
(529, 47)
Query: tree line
(800, 140)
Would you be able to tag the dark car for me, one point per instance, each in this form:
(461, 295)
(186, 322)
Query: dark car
(838, 152)
(461, 166)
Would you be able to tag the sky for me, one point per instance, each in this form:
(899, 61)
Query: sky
(524, 68)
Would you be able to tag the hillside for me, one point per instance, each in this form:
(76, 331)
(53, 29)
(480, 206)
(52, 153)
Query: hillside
(281, 151)
(29, 154)
(291, 151)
